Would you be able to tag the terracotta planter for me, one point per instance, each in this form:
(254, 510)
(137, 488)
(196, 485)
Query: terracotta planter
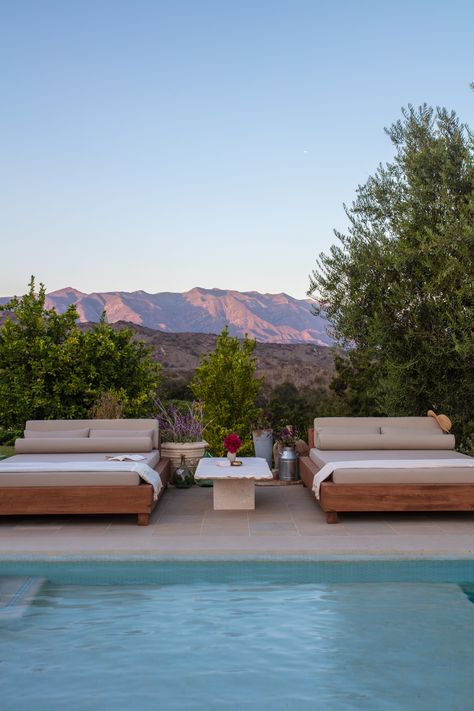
(192, 451)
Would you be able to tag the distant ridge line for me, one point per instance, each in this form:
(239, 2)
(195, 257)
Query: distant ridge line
(269, 318)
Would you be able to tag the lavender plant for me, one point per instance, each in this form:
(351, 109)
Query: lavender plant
(180, 424)
(288, 436)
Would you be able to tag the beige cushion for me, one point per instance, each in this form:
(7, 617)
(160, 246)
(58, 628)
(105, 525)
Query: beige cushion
(98, 433)
(56, 434)
(349, 441)
(349, 430)
(453, 475)
(321, 457)
(106, 444)
(418, 423)
(343, 431)
(409, 432)
(418, 440)
(137, 426)
(68, 478)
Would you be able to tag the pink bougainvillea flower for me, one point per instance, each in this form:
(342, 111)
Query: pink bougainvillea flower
(232, 443)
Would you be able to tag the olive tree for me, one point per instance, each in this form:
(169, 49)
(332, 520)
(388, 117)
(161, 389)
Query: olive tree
(398, 289)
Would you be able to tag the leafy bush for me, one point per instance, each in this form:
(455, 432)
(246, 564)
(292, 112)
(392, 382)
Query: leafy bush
(51, 369)
(226, 384)
(108, 406)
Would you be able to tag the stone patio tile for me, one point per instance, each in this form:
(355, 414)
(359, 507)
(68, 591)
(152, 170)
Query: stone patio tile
(269, 516)
(271, 526)
(184, 524)
(185, 505)
(172, 523)
(456, 527)
(399, 516)
(222, 522)
(167, 531)
(304, 506)
(225, 515)
(368, 530)
(318, 529)
(179, 518)
(308, 515)
(284, 534)
(407, 529)
(217, 532)
(374, 526)
(225, 526)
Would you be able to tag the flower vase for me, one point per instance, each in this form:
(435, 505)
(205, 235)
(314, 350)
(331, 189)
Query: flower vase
(231, 456)
(183, 477)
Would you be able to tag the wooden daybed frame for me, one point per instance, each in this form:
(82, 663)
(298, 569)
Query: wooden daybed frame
(135, 435)
(339, 498)
(37, 500)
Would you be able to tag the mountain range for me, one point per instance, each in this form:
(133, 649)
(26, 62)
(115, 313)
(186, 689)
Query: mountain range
(269, 318)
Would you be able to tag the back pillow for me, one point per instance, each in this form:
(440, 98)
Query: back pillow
(344, 431)
(55, 434)
(411, 431)
(96, 433)
(349, 441)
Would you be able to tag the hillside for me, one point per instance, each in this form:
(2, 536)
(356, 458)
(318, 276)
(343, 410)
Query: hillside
(305, 365)
(269, 318)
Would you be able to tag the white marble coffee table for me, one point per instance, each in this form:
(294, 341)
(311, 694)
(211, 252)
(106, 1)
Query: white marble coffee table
(233, 487)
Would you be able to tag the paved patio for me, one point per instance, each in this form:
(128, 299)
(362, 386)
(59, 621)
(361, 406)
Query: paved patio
(287, 522)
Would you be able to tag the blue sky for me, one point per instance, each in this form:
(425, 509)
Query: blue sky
(170, 144)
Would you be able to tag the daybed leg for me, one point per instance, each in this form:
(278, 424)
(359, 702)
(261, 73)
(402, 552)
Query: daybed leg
(143, 519)
(331, 516)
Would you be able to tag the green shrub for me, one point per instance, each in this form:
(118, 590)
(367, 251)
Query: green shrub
(226, 384)
(51, 369)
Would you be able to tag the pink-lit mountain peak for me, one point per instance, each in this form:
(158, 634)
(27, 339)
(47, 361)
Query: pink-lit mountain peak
(271, 318)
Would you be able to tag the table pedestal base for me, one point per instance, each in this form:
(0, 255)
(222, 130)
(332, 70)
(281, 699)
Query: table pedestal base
(234, 494)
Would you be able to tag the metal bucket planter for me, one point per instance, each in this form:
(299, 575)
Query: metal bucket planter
(263, 444)
(192, 451)
(288, 466)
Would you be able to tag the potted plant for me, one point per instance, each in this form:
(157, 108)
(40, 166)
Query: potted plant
(181, 433)
(262, 435)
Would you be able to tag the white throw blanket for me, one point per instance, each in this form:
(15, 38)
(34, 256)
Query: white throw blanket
(331, 467)
(143, 470)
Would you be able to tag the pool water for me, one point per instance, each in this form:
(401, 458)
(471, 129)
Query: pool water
(256, 637)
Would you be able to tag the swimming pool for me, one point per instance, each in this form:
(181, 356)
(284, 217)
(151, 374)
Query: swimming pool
(241, 635)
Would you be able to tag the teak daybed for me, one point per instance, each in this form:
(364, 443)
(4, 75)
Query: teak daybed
(80, 444)
(420, 482)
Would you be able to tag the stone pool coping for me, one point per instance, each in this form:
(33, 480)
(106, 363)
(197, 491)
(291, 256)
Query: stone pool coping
(286, 524)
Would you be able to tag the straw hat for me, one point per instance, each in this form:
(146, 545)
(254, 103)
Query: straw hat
(443, 420)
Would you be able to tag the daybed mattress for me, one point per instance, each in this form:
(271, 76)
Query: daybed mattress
(68, 478)
(444, 475)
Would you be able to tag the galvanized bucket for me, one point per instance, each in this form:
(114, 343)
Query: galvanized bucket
(263, 444)
(288, 467)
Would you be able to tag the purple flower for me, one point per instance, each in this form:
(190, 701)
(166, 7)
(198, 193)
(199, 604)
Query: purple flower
(186, 425)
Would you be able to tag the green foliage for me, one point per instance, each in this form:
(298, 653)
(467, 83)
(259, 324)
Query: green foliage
(289, 405)
(6, 452)
(108, 406)
(399, 290)
(226, 384)
(50, 369)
